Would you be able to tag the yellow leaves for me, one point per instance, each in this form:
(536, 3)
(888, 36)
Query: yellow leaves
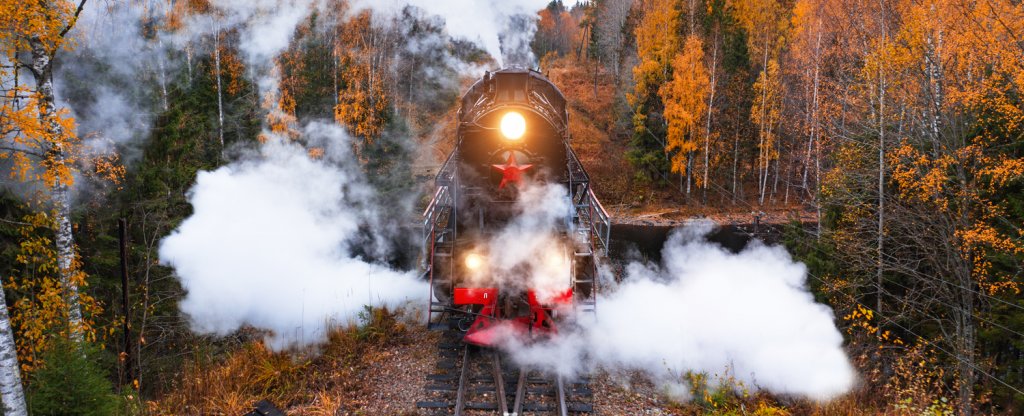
(685, 100)
(363, 99)
(860, 318)
(766, 25)
(1003, 172)
(280, 114)
(363, 104)
(41, 21)
(766, 111)
(231, 69)
(40, 311)
(657, 42)
(42, 146)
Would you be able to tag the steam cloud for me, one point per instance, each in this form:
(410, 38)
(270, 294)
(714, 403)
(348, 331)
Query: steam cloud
(529, 246)
(504, 28)
(708, 310)
(746, 316)
(273, 240)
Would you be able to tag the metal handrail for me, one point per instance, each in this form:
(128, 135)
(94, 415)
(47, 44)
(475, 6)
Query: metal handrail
(441, 197)
(602, 227)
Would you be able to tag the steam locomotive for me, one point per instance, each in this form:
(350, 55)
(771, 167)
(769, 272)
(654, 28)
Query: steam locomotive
(513, 129)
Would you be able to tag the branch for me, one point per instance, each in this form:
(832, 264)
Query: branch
(14, 222)
(17, 150)
(74, 19)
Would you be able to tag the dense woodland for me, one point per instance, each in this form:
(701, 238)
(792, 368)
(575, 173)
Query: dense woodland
(891, 131)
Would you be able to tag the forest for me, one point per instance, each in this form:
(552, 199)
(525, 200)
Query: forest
(886, 138)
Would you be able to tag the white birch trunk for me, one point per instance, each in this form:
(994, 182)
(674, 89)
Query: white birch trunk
(188, 60)
(711, 106)
(42, 70)
(160, 60)
(735, 163)
(762, 178)
(814, 106)
(220, 94)
(11, 393)
(163, 74)
(881, 184)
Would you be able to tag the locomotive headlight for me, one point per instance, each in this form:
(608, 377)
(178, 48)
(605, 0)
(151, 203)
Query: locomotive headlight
(513, 125)
(474, 261)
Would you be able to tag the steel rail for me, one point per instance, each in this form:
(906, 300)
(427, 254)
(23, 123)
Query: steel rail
(563, 409)
(520, 392)
(460, 395)
(499, 384)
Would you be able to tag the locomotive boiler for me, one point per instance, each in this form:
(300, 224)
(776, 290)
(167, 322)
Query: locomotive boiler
(512, 131)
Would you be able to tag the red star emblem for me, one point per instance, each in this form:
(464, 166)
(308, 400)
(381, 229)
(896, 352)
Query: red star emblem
(510, 171)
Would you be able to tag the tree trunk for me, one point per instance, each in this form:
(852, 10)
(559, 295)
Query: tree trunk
(42, 70)
(965, 346)
(881, 188)
(814, 107)
(11, 393)
(220, 94)
(775, 182)
(735, 162)
(762, 158)
(160, 59)
(707, 130)
(188, 60)
(689, 175)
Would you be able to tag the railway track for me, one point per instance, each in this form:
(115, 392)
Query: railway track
(469, 380)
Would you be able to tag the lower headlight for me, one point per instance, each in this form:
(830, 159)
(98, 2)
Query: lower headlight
(474, 261)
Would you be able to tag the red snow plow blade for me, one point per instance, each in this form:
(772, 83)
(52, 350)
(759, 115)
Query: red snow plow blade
(490, 330)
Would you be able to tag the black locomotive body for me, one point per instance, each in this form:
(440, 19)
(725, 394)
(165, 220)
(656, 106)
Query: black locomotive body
(512, 132)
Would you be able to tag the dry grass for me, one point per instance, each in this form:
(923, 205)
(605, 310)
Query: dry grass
(324, 382)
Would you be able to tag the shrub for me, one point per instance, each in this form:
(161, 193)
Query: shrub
(71, 382)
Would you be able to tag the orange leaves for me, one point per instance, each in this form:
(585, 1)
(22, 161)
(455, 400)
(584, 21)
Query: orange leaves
(40, 311)
(44, 137)
(657, 42)
(766, 111)
(964, 183)
(558, 31)
(361, 107)
(231, 68)
(685, 100)
(363, 99)
(280, 114)
(37, 21)
(766, 25)
(1002, 172)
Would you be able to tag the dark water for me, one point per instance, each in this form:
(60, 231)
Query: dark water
(638, 241)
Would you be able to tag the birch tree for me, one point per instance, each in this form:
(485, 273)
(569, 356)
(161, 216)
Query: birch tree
(11, 393)
(43, 145)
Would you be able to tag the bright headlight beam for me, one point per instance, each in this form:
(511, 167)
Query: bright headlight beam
(513, 125)
(474, 261)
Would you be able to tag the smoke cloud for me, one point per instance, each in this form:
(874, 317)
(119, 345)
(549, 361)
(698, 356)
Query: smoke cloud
(504, 28)
(746, 316)
(275, 242)
(113, 78)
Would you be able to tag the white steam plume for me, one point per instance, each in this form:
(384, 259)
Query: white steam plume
(527, 253)
(504, 28)
(748, 316)
(270, 244)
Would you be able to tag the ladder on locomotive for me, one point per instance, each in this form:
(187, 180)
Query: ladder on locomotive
(439, 228)
(592, 227)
